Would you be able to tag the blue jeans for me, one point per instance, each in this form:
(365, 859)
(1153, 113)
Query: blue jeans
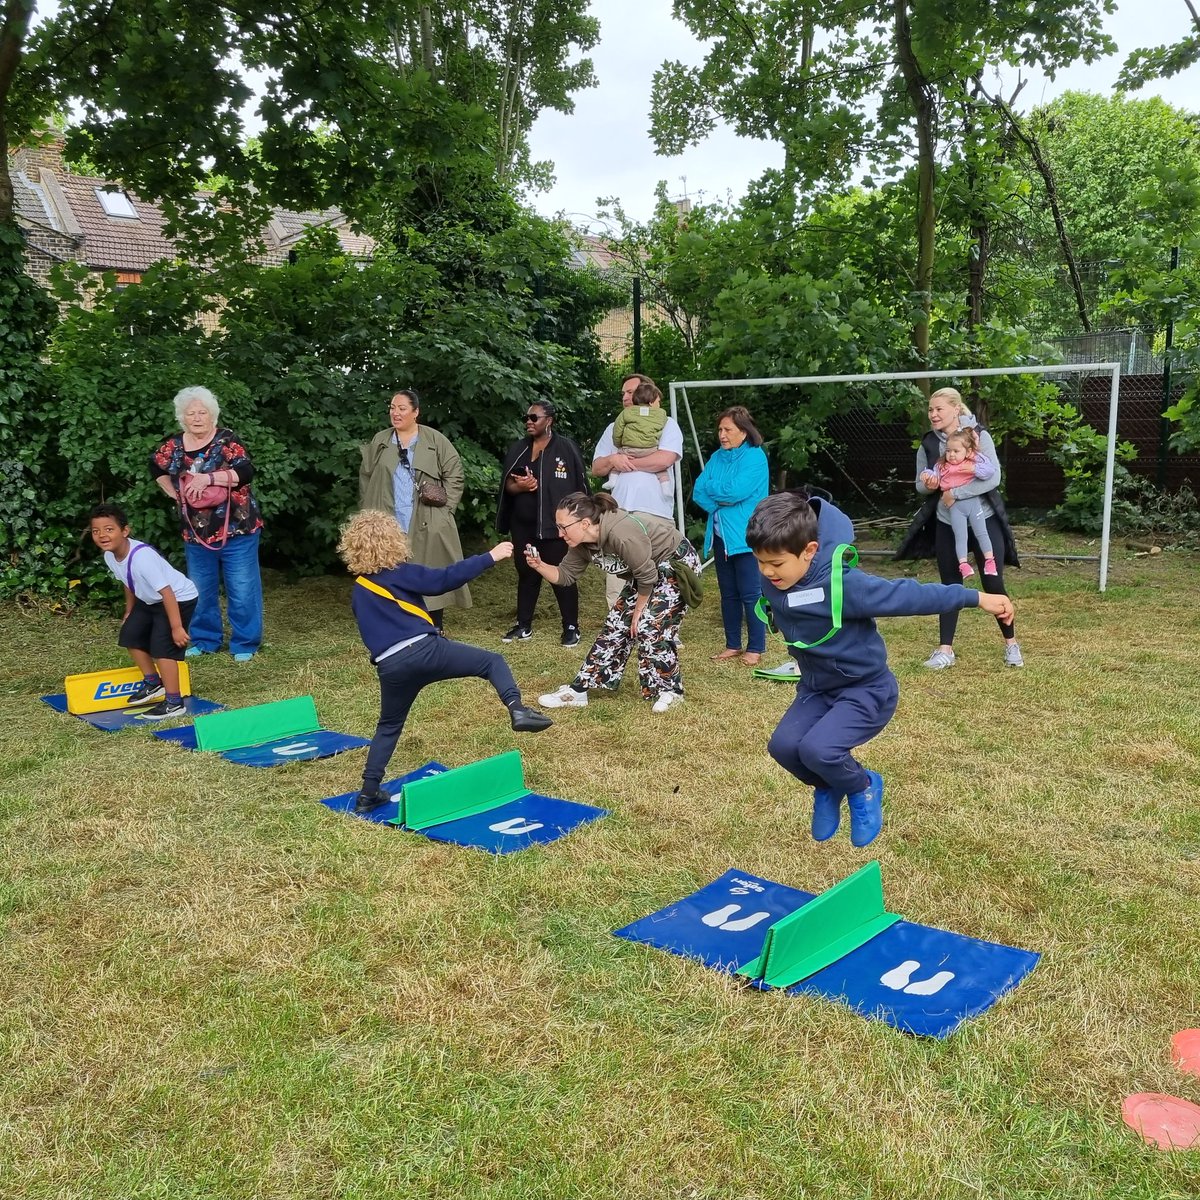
(740, 584)
(237, 564)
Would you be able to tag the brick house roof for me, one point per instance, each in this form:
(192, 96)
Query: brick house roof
(60, 210)
(114, 243)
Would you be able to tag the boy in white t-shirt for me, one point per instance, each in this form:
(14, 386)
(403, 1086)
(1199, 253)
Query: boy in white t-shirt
(159, 602)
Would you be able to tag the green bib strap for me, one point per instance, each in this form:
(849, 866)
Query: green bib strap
(845, 555)
(404, 604)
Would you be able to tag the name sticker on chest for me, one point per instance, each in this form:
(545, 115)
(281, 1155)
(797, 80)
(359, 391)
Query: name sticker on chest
(806, 597)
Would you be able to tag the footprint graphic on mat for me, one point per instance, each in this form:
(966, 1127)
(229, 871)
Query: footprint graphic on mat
(721, 919)
(516, 825)
(899, 979)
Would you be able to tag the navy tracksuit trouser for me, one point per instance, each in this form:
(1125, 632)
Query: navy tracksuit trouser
(404, 674)
(814, 739)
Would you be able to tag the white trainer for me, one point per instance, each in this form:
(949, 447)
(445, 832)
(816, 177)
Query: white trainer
(665, 700)
(565, 697)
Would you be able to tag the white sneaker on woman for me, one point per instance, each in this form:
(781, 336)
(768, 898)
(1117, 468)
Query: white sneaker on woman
(665, 700)
(565, 697)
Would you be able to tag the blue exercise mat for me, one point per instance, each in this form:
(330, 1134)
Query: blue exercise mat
(321, 743)
(385, 812)
(530, 820)
(916, 978)
(123, 718)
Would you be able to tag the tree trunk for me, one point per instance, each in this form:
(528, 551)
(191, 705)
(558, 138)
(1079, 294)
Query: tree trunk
(1031, 144)
(925, 114)
(12, 37)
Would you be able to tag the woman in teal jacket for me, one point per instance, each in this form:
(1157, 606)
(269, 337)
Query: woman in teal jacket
(734, 481)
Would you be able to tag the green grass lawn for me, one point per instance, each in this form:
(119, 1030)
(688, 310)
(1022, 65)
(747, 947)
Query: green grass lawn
(213, 987)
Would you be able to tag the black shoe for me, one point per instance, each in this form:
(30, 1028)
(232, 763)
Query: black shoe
(528, 720)
(518, 633)
(162, 710)
(366, 802)
(570, 635)
(146, 693)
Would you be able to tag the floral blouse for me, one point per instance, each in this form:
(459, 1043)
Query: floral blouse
(223, 452)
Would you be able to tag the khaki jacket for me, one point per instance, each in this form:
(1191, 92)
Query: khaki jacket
(432, 534)
(630, 545)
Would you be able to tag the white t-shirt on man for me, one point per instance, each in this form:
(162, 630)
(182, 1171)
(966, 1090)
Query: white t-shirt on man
(640, 491)
(151, 573)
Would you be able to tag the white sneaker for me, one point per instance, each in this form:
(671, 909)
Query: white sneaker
(565, 697)
(939, 660)
(665, 700)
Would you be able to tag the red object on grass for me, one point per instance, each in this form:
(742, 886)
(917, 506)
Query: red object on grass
(1164, 1121)
(1185, 1050)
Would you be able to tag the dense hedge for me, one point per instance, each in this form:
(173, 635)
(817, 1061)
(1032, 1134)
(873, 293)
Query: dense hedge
(303, 361)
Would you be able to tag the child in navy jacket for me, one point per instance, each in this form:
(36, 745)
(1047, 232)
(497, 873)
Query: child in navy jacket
(825, 609)
(407, 649)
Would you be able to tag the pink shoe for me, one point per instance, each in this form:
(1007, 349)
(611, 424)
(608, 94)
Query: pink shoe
(989, 566)
(966, 570)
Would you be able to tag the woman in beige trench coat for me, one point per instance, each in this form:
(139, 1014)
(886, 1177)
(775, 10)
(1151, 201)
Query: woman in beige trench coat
(406, 470)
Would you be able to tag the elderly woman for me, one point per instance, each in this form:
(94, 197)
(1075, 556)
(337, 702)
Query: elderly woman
(658, 565)
(538, 471)
(414, 472)
(206, 471)
(931, 534)
(733, 481)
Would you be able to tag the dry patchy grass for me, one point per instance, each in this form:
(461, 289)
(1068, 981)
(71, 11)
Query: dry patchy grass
(213, 987)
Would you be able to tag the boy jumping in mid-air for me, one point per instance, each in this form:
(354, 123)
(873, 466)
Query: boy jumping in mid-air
(825, 609)
(159, 602)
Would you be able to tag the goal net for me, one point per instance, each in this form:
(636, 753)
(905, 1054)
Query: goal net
(854, 434)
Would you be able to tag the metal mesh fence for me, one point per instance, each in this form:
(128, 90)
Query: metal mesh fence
(864, 453)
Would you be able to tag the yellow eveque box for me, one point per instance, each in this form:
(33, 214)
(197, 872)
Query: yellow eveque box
(100, 691)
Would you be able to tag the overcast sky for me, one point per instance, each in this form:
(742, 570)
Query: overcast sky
(603, 148)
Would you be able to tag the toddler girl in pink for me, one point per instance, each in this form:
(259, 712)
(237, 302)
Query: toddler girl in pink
(960, 464)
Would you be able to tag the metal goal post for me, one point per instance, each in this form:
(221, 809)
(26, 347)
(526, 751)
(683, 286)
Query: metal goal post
(1112, 369)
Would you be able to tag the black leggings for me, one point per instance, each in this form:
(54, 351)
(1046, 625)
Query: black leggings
(947, 561)
(529, 583)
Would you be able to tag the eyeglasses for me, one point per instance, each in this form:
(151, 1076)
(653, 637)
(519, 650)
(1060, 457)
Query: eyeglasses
(564, 528)
(533, 416)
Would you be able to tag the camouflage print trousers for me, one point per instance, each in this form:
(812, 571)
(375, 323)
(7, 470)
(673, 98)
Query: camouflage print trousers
(657, 641)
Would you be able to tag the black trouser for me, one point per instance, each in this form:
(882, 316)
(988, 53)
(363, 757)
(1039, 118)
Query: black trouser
(405, 673)
(529, 583)
(947, 561)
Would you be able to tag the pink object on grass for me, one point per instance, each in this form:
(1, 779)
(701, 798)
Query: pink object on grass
(1163, 1121)
(1185, 1050)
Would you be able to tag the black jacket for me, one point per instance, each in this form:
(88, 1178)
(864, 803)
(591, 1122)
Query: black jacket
(559, 470)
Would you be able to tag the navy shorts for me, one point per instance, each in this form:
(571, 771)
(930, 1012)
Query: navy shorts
(147, 628)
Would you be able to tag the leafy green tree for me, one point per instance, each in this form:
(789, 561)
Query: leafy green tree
(512, 58)
(845, 84)
(1103, 151)
(1161, 62)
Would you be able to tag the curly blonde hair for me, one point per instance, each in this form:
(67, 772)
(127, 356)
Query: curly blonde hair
(371, 541)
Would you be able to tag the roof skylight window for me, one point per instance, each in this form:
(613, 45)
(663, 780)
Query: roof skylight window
(116, 204)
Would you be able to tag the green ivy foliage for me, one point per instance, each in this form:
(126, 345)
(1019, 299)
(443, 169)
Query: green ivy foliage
(303, 361)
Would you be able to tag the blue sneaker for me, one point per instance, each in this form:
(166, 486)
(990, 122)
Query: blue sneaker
(243, 656)
(866, 811)
(827, 813)
(193, 652)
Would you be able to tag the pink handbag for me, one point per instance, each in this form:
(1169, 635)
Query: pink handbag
(212, 496)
